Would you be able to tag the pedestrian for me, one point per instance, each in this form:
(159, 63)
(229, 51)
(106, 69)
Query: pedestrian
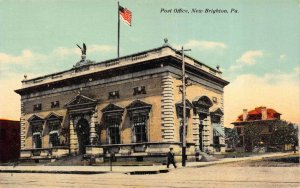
(294, 147)
(171, 158)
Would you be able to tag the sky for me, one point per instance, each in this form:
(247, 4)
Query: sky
(256, 44)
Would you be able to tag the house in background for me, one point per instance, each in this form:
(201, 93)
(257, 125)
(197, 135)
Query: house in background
(9, 140)
(263, 128)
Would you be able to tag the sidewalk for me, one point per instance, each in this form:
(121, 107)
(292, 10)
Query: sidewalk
(124, 169)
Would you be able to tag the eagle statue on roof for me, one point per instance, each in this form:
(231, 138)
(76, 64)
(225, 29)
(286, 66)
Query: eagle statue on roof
(83, 49)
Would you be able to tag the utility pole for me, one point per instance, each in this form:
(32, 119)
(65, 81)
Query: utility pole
(183, 152)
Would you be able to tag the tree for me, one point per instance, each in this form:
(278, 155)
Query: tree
(284, 133)
(231, 137)
(252, 135)
(269, 133)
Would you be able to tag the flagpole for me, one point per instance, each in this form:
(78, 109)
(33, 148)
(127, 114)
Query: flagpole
(118, 30)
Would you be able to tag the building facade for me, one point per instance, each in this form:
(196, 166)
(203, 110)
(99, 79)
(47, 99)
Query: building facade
(9, 140)
(259, 128)
(130, 106)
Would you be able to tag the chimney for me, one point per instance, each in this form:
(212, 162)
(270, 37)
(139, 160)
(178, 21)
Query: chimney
(245, 114)
(263, 113)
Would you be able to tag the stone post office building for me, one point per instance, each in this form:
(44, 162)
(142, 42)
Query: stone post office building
(130, 106)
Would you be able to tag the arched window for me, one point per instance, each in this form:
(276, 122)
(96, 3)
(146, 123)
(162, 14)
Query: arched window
(54, 126)
(139, 115)
(112, 120)
(36, 123)
(179, 111)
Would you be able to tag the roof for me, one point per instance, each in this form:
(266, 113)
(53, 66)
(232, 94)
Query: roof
(4, 119)
(255, 114)
(102, 68)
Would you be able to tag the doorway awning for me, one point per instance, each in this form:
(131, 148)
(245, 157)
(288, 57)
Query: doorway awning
(36, 133)
(217, 127)
(54, 132)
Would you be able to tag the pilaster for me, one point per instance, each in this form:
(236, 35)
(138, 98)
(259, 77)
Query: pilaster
(206, 133)
(196, 124)
(22, 127)
(167, 109)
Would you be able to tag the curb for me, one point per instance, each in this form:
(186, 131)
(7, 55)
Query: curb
(53, 172)
(138, 172)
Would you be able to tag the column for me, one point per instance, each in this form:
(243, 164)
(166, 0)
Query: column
(73, 138)
(92, 127)
(167, 109)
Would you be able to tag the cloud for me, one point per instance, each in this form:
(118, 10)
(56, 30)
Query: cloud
(34, 64)
(282, 58)
(250, 57)
(100, 48)
(277, 91)
(203, 45)
(32, 61)
(9, 100)
(26, 57)
(64, 51)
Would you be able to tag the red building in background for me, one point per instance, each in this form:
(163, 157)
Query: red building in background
(265, 119)
(9, 140)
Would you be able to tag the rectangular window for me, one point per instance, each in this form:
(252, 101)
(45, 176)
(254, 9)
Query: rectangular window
(181, 130)
(140, 128)
(55, 104)
(37, 129)
(54, 127)
(139, 90)
(113, 129)
(37, 140)
(37, 107)
(54, 139)
(113, 95)
(239, 130)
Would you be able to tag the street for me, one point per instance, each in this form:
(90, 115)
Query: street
(213, 176)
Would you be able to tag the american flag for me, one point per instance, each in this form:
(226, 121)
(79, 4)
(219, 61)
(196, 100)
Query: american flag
(125, 15)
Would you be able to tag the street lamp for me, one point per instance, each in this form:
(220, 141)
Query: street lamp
(183, 152)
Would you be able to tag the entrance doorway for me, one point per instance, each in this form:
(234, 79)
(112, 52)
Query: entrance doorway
(201, 136)
(83, 134)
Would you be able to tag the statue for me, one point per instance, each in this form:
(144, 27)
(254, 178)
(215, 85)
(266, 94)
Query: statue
(83, 49)
(83, 60)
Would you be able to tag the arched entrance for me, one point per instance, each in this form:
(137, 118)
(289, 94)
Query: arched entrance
(201, 105)
(83, 133)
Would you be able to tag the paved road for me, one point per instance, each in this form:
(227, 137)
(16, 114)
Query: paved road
(213, 176)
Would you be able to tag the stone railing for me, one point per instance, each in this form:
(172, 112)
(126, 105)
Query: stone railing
(131, 59)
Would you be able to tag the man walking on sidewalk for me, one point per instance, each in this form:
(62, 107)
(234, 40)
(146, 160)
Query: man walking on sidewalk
(171, 158)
